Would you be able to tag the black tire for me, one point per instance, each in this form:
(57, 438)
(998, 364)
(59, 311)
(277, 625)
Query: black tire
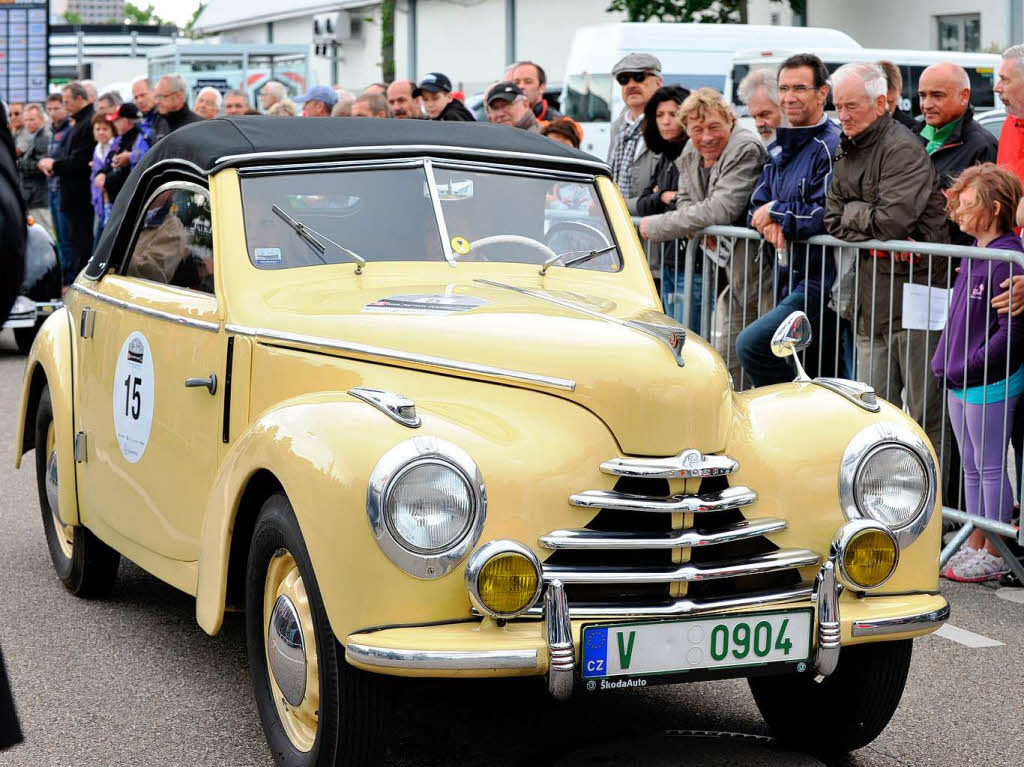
(350, 705)
(846, 710)
(23, 337)
(91, 569)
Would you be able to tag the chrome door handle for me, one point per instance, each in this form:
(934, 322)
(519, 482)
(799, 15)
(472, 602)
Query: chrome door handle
(209, 383)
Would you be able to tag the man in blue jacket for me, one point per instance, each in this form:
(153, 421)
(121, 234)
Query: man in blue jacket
(788, 205)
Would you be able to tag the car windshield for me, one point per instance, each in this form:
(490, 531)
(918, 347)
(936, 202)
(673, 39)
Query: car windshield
(390, 214)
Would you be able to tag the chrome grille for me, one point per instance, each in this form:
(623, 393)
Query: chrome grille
(636, 559)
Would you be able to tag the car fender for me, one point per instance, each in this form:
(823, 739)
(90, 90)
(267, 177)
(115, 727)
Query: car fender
(50, 362)
(322, 448)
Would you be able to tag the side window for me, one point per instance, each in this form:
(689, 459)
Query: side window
(175, 241)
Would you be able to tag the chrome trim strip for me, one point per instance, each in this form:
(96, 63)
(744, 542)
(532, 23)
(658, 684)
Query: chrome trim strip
(689, 464)
(595, 539)
(312, 154)
(395, 406)
(435, 201)
(211, 327)
(860, 394)
(882, 626)
(721, 500)
(262, 334)
(671, 334)
(442, 660)
(783, 559)
(679, 607)
(561, 652)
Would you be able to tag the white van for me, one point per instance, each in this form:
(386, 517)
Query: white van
(691, 55)
(981, 68)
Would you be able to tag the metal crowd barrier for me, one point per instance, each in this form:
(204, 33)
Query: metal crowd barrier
(722, 279)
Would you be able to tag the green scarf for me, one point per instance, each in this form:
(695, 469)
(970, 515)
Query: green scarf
(937, 138)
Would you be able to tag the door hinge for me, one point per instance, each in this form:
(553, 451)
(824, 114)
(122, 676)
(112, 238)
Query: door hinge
(88, 323)
(81, 448)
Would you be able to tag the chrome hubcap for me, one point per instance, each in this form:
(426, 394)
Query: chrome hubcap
(65, 533)
(290, 644)
(286, 651)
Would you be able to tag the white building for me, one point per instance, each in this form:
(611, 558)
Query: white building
(96, 11)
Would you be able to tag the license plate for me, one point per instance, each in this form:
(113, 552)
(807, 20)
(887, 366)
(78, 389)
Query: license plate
(675, 647)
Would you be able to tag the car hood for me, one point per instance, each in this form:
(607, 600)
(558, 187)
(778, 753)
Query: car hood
(594, 350)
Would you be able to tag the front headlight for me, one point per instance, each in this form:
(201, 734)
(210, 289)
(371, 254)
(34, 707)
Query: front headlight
(426, 504)
(888, 475)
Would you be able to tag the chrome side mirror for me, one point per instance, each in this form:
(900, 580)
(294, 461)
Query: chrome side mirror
(793, 335)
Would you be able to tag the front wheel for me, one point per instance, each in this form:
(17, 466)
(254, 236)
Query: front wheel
(85, 565)
(847, 709)
(315, 708)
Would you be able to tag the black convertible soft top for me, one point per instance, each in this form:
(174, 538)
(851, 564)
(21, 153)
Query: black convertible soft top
(197, 150)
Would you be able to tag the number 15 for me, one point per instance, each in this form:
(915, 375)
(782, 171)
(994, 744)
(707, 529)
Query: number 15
(133, 394)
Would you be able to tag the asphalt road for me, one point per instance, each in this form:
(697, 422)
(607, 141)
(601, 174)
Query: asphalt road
(133, 680)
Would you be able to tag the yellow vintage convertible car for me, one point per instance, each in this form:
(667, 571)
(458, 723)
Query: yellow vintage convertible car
(402, 391)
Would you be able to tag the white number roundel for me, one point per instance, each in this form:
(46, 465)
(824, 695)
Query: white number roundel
(133, 397)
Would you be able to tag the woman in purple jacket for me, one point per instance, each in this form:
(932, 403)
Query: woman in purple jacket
(979, 358)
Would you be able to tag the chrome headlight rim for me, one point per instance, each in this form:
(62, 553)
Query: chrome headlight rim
(425, 564)
(845, 535)
(485, 554)
(866, 443)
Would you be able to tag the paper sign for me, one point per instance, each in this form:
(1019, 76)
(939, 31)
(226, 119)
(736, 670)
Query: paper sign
(924, 307)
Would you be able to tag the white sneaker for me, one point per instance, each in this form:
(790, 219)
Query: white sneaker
(961, 554)
(981, 567)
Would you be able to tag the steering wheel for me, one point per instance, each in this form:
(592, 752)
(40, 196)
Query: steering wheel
(511, 239)
(578, 227)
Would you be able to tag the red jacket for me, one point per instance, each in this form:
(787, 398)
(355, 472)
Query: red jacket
(1011, 146)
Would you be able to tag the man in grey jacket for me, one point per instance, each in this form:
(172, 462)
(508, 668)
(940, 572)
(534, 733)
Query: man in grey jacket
(885, 187)
(718, 170)
(631, 161)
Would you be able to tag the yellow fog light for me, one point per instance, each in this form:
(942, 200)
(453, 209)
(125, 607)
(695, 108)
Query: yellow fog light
(867, 553)
(503, 578)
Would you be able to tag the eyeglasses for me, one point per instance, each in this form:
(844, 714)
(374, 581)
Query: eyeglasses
(625, 77)
(799, 90)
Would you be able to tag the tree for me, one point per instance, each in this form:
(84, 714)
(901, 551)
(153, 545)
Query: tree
(72, 18)
(190, 27)
(699, 11)
(136, 15)
(387, 40)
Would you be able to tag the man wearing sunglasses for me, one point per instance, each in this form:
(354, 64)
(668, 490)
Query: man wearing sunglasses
(632, 163)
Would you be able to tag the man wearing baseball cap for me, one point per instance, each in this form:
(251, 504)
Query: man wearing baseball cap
(435, 92)
(318, 101)
(632, 163)
(508, 105)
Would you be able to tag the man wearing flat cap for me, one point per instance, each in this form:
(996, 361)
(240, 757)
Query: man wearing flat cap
(631, 161)
(435, 92)
(508, 105)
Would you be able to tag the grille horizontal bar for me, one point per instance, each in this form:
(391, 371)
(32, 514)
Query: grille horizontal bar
(722, 500)
(596, 539)
(782, 559)
(678, 608)
(689, 464)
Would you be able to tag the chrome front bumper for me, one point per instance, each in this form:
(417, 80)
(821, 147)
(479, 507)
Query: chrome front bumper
(26, 312)
(556, 637)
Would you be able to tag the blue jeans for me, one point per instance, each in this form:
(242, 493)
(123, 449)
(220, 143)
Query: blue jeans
(753, 344)
(60, 227)
(672, 292)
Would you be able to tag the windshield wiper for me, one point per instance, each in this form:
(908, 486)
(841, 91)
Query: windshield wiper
(587, 255)
(311, 235)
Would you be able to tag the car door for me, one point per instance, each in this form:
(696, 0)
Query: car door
(151, 368)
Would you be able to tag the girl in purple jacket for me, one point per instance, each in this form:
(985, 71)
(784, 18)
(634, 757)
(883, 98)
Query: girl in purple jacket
(979, 358)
